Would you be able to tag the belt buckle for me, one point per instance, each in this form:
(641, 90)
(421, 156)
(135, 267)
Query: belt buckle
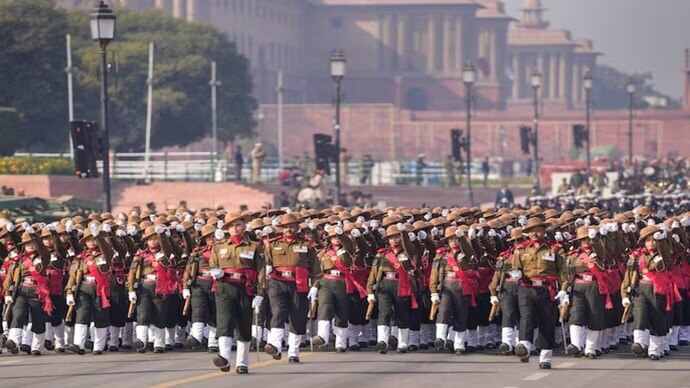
(151, 277)
(391, 275)
(335, 273)
(286, 274)
(89, 279)
(537, 283)
(587, 278)
(450, 274)
(205, 273)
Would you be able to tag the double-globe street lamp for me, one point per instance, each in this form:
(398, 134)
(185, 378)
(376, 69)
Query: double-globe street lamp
(469, 77)
(587, 85)
(535, 82)
(102, 21)
(630, 88)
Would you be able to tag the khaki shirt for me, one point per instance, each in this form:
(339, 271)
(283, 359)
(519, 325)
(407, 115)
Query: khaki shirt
(659, 266)
(245, 255)
(299, 253)
(325, 257)
(504, 264)
(440, 266)
(100, 257)
(381, 265)
(541, 259)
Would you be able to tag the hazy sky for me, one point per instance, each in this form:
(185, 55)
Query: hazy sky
(633, 35)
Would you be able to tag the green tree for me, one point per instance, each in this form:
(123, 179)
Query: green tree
(32, 59)
(609, 89)
(10, 126)
(183, 55)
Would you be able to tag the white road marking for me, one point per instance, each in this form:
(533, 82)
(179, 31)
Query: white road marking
(565, 365)
(536, 376)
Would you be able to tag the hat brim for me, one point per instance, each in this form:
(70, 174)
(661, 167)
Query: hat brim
(528, 229)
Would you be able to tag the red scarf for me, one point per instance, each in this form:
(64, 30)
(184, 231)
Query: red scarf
(237, 240)
(42, 290)
(404, 283)
(663, 283)
(469, 279)
(102, 284)
(601, 277)
(165, 281)
(350, 281)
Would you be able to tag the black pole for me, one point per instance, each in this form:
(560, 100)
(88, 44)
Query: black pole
(535, 139)
(106, 135)
(468, 102)
(337, 141)
(630, 129)
(588, 103)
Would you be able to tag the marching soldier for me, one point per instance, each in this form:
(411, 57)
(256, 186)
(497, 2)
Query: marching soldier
(539, 267)
(55, 329)
(27, 292)
(239, 272)
(292, 264)
(390, 283)
(88, 289)
(150, 283)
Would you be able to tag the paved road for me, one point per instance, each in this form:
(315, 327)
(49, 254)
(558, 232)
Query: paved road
(327, 369)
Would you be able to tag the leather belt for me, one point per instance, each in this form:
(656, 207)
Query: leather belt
(28, 281)
(585, 278)
(87, 279)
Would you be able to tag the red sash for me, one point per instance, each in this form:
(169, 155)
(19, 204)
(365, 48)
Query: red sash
(56, 281)
(165, 279)
(602, 278)
(301, 277)
(469, 280)
(485, 275)
(102, 284)
(250, 277)
(663, 283)
(678, 278)
(350, 281)
(42, 290)
(404, 283)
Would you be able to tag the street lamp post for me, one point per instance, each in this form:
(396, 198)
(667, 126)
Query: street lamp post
(102, 22)
(469, 76)
(535, 81)
(630, 87)
(587, 85)
(338, 73)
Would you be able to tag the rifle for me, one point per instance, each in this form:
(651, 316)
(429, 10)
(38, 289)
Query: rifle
(370, 308)
(497, 307)
(191, 282)
(632, 290)
(75, 292)
(434, 310)
(14, 289)
(137, 284)
(565, 309)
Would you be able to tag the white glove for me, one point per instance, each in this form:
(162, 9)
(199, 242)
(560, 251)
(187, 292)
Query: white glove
(685, 221)
(472, 234)
(522, 220)
(70, 300)
(492, 233)
(664, 227)
(422, 235)
(180, 228)
(374, 223)
(29, 230)
(459, 233)
(435, 298)
(132, 297)
(493, 300)
(558, 236)
(382, 232)
(561, 296)
(132, 230)
(256, 303)
(69, 226)
(269, 269)
(626, 302)
(651, 222)
(677, 238)
(152, 217)
(219, 234)
(122, 216)
(198, 227)
(120, 233)
(120, 223)
(186, 294)
(613, 227)
(219, 224)
(592, 233)
(10, 226)
(167, 232)
(515, 274)
(217, 273)
(400, 226)
(52, 226)
(603, 230)
(412, 236)
(659, 236)
(356, 233)
(371, 298)
(8, 299)
(633, 228)
(434, 231)
(313, 292)
(675, 225)
(106, 228)
(480, 232)
(338, 230)
(567, 236)
(565, 301)
(360, 220)
(159, 229)
(626, 228)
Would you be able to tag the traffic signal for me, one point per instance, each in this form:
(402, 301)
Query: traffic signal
(579, 135)
(525, 138)
(323, 152)
(85, 148)
(456, 144)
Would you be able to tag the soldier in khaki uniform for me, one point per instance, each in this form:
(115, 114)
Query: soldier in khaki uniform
(539, 266)
(240, 287)
(390, 282)
(503, 290)
(337, 283)
(454, 286)
(151, 291)
(92, 304)
(292, 264)
(650, 272)
(27, 276)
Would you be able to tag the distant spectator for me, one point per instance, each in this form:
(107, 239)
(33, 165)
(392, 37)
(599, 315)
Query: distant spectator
(449, 167)
(366, 164)
(420, 165)
(504, 198)
(564, 187)
(285, 177)
(284, 200)
(485, 170)
(258, 156)
(239, 161)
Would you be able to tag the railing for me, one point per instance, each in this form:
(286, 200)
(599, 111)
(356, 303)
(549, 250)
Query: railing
(202, 166)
